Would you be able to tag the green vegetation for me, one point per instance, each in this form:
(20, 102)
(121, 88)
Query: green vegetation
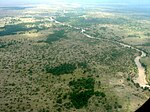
(82, 89)
(146, 44)
(62, 69)
(7, 44)
(14, 29)
(80, 99)
(147, 34)
(55, 37)
(63, 19)
(87, 22)
(82, 84)
(50, 67)
(83, 65)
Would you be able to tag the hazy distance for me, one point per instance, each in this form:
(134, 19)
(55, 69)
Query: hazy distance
(6, 3)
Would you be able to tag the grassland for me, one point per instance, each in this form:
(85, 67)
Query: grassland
(48, 67)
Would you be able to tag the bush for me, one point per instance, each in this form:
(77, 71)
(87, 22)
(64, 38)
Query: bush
(102, 94)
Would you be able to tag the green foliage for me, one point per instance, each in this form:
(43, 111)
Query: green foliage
(25, 59)
(13, 29)
(2, 46)
(82, 89)
(133, 35)
(88, 22)
(102, 94)
(146, 44)
(80, 99)
(81, 84)
(55, 37)
(147, 34)
(137, 85)
(59, 101)
(68, 105)
(44, 110)
(83, 65)
(63, 19)
(62, 69)
(12, 84)
(6, 44)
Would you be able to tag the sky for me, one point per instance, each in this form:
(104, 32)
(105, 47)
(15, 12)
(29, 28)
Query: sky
(23, 2)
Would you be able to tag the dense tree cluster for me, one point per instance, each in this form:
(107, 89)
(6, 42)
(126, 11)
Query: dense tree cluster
(62, 69)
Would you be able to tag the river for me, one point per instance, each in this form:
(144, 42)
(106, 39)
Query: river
(141, 79)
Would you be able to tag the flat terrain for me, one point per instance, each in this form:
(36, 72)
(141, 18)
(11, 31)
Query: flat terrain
(48, 65)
